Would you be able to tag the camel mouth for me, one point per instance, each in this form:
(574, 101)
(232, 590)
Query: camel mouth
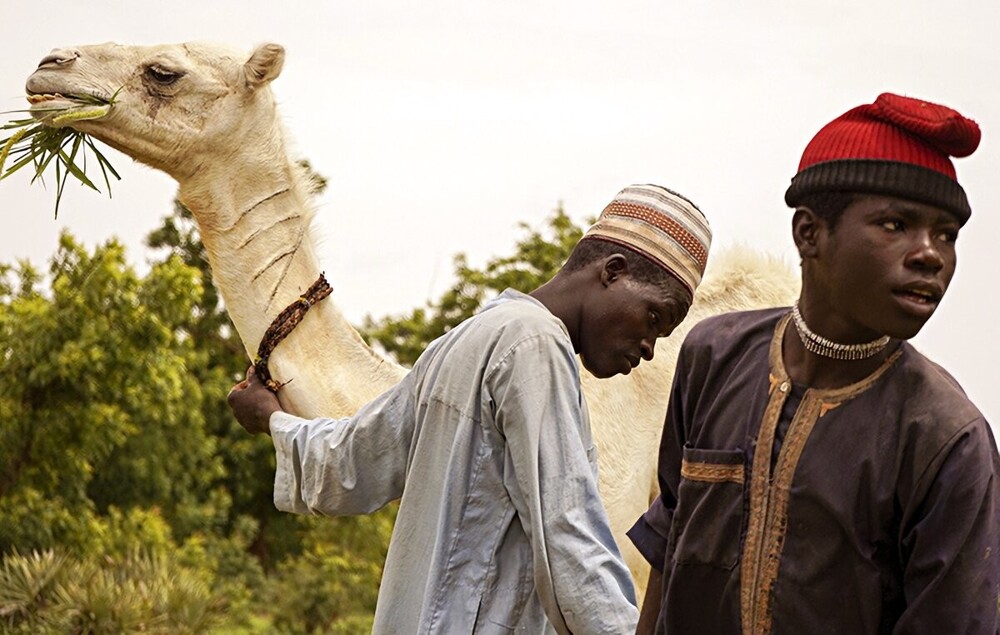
(50, 135)
(58, 109)
(57, 98)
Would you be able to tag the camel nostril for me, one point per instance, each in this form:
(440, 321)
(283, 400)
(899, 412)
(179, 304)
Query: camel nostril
(59, 57)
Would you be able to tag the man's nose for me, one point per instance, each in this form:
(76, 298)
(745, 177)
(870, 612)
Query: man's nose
(925, 253)
(647, 349)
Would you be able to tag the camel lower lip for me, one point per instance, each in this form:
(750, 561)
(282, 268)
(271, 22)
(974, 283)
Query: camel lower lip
(52, 103)
(59, 111)
(45, 101)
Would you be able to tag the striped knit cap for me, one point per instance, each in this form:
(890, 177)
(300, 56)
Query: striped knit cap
(897, 146)
(660, 224)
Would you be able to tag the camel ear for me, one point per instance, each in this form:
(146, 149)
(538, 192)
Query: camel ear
(264, 65)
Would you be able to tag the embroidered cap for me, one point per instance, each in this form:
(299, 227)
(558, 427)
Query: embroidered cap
(660, 224)
(897, 146)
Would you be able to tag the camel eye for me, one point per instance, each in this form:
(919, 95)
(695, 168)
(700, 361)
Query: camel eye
(161, 75)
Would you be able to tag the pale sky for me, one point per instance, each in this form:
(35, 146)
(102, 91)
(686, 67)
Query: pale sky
(442, 125)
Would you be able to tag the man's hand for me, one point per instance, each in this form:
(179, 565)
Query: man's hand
(253, 404)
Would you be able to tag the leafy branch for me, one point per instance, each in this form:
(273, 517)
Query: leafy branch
(45, 140)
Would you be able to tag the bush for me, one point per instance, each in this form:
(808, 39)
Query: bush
(332, 586)
(48, 592)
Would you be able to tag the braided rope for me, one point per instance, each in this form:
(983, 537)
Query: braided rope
(282, 325)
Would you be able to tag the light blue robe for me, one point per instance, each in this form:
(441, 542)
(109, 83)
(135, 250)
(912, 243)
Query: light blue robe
(487, 441)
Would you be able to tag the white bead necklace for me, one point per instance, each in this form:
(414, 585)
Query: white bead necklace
(821, 346)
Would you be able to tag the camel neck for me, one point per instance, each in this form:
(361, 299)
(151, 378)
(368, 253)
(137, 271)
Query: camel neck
(259, 247)
(262, 256)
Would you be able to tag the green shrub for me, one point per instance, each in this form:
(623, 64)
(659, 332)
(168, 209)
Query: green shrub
(29, 589)
(46, 592)
(332, 586)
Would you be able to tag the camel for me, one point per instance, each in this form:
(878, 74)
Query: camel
(205, 115)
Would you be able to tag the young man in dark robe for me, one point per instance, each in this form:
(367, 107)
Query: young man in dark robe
(819, 474)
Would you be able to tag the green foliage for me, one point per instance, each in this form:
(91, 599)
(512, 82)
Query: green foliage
(332, 586)
(130, 499)
(104, 449)
(48, 592)
(99, 413)
(118, 533)
(227, 566)
(535, 260)
(43, 139)
(28, 587)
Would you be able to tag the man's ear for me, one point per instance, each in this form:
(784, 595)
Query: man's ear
(613, 268)
(806, 228)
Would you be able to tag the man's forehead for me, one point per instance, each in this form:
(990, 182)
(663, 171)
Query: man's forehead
(666, 291)
(878, 203)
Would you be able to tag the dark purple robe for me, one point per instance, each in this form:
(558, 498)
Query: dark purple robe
(873, 508)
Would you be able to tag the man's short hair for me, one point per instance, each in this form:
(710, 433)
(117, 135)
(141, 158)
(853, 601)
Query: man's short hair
(829, 205)
(640, 267)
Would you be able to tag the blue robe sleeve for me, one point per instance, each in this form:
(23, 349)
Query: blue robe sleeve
(344, 466)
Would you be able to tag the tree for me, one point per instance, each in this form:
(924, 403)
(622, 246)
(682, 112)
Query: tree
(95, 401)
(103, 448)
(48, 592)
(535, 260)
(336, 576)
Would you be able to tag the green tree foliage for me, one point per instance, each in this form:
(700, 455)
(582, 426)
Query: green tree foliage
(95, 399)
(103, 450)
(536, 258)
(129, 497)
(335, 589)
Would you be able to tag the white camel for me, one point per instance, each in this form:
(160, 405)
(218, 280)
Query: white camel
(206, 116)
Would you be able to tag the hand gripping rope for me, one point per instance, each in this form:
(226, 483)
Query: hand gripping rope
(282, 325)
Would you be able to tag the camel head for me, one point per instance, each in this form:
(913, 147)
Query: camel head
(179, 108)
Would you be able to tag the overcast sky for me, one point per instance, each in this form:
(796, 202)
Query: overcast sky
(442, 125)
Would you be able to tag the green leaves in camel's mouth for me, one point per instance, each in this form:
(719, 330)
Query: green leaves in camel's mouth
(46, 139)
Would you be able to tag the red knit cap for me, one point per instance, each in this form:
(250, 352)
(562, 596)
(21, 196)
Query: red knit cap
(897, 146)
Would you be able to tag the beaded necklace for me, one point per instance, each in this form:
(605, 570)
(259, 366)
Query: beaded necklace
(821, 346)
